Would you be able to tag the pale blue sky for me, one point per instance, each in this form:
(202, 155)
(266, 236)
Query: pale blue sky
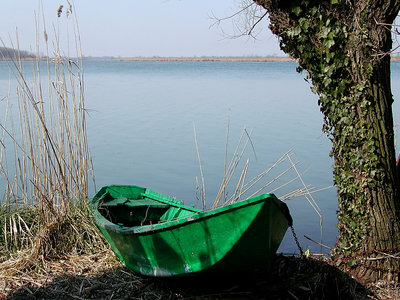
(131, 28)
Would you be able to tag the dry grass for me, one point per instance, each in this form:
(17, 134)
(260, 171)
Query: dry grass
(102, 276)
(44, 156)
(27, 279)
(54, 248)
(45, 161)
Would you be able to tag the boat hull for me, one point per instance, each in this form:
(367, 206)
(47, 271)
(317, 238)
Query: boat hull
(236, 237)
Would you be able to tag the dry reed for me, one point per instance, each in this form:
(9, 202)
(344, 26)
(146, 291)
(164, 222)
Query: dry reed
(44, 159)
(280, 173)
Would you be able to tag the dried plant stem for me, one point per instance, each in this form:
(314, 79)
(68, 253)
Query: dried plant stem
(284, 185)
(51, 154)
(270, 182)
(236, 157)
(308, 195)
(225, 159)
(256, 179)
(302, 191)
(310, 200)
(203, 188)
(239, 186)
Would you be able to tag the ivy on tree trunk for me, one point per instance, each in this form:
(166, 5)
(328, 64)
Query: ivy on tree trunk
(343, 46)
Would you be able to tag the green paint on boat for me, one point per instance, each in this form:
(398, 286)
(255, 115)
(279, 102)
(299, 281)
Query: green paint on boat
(156, 235)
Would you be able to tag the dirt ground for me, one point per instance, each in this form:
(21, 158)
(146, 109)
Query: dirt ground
(102, 276)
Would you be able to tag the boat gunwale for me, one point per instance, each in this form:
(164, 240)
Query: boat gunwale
(185, 220)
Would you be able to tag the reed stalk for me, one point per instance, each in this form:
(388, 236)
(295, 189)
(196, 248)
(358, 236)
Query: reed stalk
(50, 153)
(202, 187)
(249, 188)
(230, 170)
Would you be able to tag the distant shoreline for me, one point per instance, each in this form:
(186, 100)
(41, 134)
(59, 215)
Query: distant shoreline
(204, 58)
(182, 59)
(188, 59)
(210, 58)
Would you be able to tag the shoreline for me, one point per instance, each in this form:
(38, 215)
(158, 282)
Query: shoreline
(189, 59)
(208, 58)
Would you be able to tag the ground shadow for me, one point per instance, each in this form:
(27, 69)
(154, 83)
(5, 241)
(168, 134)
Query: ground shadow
(289, 278)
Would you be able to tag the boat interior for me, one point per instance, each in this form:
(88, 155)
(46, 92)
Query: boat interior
(139, 212)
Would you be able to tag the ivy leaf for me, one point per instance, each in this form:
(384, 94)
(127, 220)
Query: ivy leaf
(313, 11)
(294, 31)
(325, 31)
(329, 43)
(296, 10)
(334, 1)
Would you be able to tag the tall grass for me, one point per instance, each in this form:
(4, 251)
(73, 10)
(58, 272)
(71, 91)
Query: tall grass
(44, 156)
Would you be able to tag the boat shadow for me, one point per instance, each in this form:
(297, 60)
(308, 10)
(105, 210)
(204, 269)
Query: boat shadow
(289, 278)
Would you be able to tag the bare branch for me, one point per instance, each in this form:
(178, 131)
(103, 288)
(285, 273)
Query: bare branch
(256, 23)
(244, 21)
(218, 20)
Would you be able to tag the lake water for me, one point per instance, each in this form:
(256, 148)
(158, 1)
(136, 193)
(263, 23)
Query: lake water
(141, 118)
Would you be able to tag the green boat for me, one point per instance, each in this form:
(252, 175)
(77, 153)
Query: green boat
(156, 235)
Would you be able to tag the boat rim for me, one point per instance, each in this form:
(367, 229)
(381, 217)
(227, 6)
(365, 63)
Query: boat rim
(196, 216)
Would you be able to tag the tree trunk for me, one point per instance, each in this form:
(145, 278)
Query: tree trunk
(376, 199)
(344, 50)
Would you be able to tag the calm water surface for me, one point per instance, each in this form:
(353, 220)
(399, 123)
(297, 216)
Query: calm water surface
(140, 129)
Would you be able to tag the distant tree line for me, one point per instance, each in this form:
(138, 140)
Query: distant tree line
(10, 53)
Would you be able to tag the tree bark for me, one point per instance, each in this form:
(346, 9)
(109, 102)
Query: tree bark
(344, 48)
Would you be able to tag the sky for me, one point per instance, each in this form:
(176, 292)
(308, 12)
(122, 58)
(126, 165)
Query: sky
(131, 28)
